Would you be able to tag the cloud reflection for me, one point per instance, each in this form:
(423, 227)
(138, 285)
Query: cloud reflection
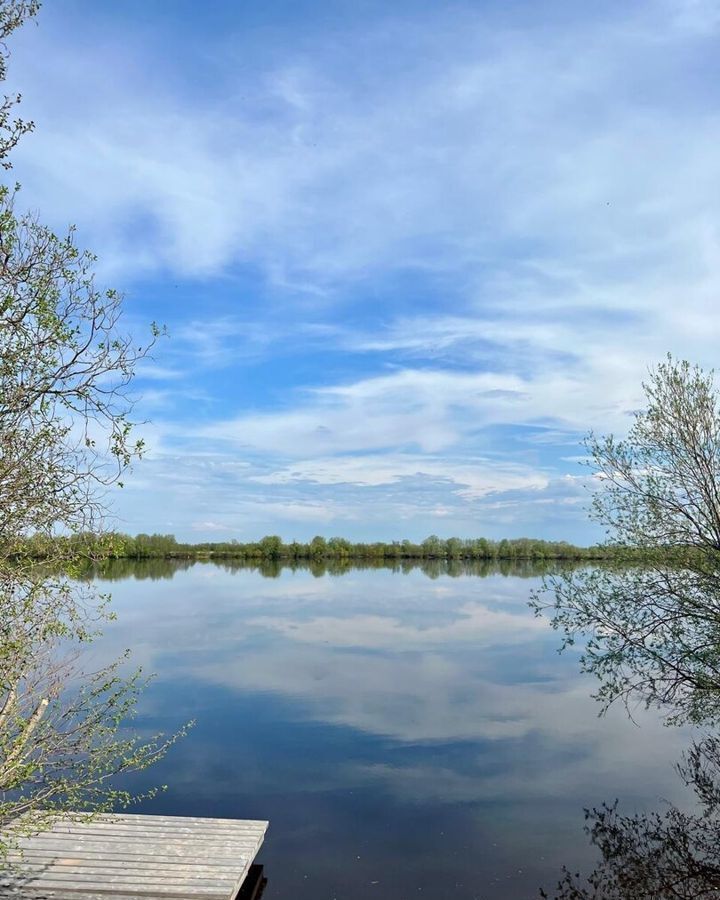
(424, 664)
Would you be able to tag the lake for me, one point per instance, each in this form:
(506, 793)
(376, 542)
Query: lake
(406, 735)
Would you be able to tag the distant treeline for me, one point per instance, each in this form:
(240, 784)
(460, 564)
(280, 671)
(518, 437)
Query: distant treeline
(272, 548)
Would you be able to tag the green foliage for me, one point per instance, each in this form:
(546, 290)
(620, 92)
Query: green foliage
(652, 632)
(142, 546)
(13, 14)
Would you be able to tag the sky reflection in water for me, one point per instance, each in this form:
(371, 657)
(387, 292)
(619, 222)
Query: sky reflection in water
(405, 736)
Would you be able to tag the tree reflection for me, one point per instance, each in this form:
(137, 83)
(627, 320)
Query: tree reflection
(154, 568)
(668, 855)
(157, 568)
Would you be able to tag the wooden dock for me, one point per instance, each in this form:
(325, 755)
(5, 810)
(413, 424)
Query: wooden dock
(134, 857)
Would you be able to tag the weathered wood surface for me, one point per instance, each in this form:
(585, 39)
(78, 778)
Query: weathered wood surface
(134, 857)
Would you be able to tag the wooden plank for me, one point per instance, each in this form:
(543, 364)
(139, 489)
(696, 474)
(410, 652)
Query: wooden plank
(199, 833)
(152, 837)
(147, 864)
(41, 874)
(122, 859)
(46, 874)
(209, 890)
(163, 821)
(182, 820)
(113, 850)
(155, 892)
(157, 828)
(34, 892)
(65, 842)
(21, 894)
(35, 870)
(64, 895)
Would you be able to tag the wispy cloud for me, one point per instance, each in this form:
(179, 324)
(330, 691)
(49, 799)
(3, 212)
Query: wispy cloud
(469, 479)
(408, 248)
(500, 146)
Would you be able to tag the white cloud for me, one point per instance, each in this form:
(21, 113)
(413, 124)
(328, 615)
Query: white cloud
(468, 479)
(430, 410)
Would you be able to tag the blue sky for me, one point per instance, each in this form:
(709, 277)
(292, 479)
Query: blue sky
(407, 254)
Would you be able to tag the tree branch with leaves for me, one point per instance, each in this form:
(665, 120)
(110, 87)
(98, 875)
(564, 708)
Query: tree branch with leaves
(66, 437)
(650, 630)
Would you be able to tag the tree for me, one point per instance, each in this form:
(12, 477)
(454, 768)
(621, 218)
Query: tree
(65, 440)
(271, 546)
(318, 547)
(339, 547)
(453, 548)
(433, 547)
(651, 623)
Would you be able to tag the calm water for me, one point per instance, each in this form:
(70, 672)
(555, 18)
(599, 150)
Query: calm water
(406, 736)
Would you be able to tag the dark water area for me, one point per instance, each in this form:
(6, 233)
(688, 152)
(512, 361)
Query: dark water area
(407, 733)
